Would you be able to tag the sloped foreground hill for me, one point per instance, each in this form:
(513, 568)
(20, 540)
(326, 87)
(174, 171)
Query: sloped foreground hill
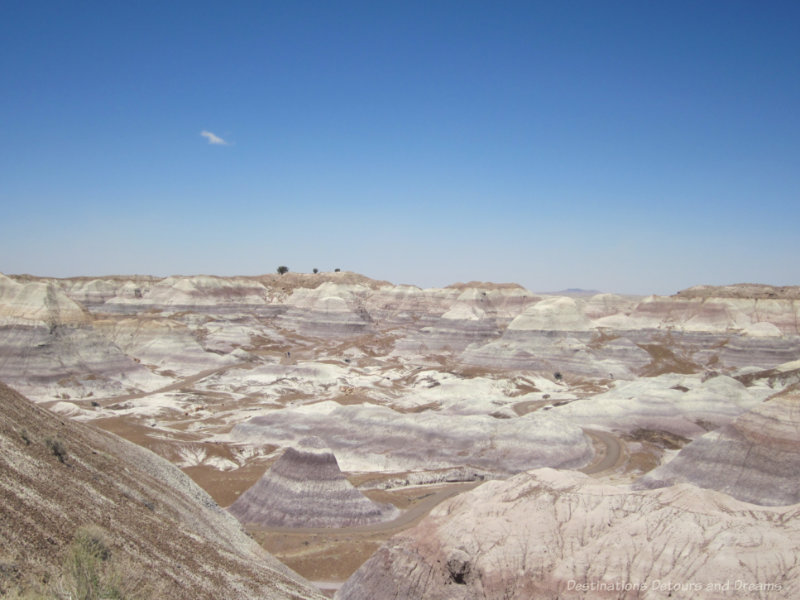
(164, 536)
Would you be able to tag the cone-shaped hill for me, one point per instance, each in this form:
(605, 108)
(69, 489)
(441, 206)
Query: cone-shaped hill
(305, 488)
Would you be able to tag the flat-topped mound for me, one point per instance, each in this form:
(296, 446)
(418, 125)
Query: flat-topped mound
(758, 291)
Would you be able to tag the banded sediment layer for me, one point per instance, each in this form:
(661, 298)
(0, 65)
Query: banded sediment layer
(306, 488)
(755, 458)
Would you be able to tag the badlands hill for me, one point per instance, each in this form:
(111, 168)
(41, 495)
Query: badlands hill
(743, 291)
(548, 534)
(755, 458)
(406, 386)
(162, 534)
(305, 488)
(217, 374)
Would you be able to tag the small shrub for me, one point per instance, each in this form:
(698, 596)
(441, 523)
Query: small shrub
(315, 270)
(57, 448)
(283, 269)
(84, 566)
(557, 375)
(336, 270)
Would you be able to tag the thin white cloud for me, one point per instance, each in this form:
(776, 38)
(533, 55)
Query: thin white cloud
(213, 139)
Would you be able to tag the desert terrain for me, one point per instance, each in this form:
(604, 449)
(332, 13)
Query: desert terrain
(439, 417)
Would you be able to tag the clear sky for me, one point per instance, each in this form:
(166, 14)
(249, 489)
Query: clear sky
(624, 146)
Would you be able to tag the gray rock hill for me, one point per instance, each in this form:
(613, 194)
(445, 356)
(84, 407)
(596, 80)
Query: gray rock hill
(306, 488)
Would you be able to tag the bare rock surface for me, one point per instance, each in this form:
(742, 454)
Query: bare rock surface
(549, 534)
(306, 488)
(48, 346)
(329, 310)
(756, 458)
(376, 438)
(220, 375)
(146, 326)
(743, 290)
(478, 375)
(57, 476)
(688, 405)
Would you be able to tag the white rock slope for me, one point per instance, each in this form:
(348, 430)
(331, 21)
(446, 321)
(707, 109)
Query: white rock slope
(548, 534)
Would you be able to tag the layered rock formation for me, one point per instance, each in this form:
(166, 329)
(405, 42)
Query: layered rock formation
(328, 311)
(474, 377)
(58, 477)
(687, 405)
(163, 344)
(549, 534)
(122, 329)
(48, 346)
(377, 438)
(305, 488)
(756, 458)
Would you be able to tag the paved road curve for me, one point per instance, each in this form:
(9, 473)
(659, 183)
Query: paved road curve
(609, 458)
(406, 519)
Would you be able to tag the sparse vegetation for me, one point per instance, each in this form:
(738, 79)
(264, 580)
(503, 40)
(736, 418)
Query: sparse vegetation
(85, 566)
(336, 270)
(57, 448)
(315, 270)
(90, 572)
(25, 437)
(557, 376)
(283, 269)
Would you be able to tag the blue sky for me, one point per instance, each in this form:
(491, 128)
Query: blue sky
(625, 146)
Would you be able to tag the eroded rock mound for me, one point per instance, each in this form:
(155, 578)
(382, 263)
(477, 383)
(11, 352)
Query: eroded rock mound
(756, 458)
(305, 488)
(547, 534)
(377, 438)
